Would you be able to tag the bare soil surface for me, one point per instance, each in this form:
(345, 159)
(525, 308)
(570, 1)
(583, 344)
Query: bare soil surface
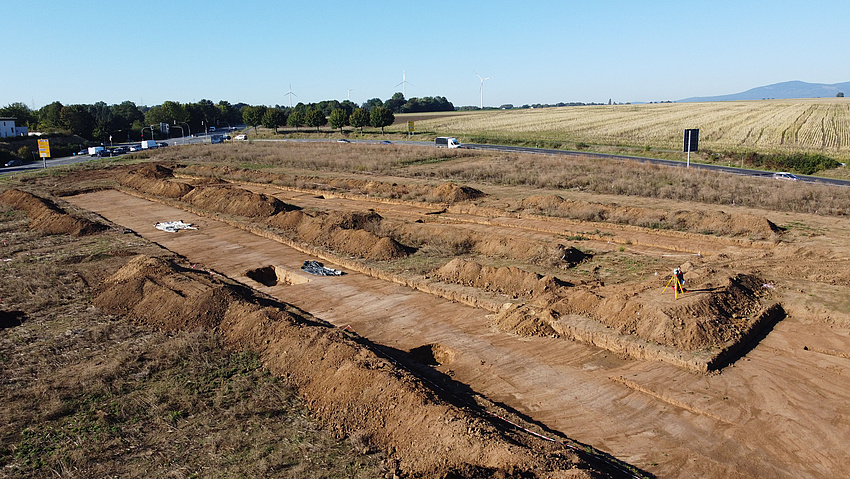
(569, 324)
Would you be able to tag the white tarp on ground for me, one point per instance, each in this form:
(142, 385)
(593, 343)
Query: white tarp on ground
(174, 226)
(314, 267)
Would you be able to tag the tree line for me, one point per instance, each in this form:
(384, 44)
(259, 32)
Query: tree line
(100, 122)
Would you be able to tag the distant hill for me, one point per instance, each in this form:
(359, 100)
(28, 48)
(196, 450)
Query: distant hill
(789, 89)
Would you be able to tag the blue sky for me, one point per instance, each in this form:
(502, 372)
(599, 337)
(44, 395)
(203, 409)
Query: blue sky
(535, 51)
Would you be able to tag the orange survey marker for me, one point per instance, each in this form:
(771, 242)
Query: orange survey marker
(677, 284)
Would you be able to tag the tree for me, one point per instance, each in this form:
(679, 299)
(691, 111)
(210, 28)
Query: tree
(315, 118)
(48, 116)
(338, 119)
(359, 118)
(295, 119)
(253, 115)
(840, 94)
(273, 118)
(368, 105)
(395, 103)
(78, 120)
(380, 117)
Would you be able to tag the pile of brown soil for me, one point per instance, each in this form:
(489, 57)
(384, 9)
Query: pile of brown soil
(235, 201)
(155, 180)
(702, 319)
(342, 232)
(452, 193)
(525, 321)
(348, 386)
(705, 222)
(47, 217)
(712, 317)
(506, 280)
(445, 193)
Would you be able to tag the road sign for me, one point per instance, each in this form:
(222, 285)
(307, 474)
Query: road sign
(410, 127)
(691, 140)
(44, 148)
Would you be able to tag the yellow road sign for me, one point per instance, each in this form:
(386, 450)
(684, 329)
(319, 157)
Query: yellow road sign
(44, 148)
(410, 126)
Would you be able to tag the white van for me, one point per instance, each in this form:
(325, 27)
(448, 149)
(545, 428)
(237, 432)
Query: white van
(446, 142)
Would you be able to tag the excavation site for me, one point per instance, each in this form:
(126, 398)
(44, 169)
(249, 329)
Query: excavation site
(478, 328)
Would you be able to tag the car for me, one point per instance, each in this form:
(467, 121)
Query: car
(342, 140)
(386, 142)
(242, 137)
(216, 139)
(225, 137)
(14, 163)
(162, 144)
(784, 175)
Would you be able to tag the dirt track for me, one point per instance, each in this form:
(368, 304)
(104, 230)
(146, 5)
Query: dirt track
(781, 411)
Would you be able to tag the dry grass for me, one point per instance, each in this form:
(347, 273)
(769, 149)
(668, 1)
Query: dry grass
(808, 125)
(86, 395)
(609, 177)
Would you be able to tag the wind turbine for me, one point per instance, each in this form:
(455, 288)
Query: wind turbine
(349, 93)
(481, 106)
(290, 94)
(403, 83)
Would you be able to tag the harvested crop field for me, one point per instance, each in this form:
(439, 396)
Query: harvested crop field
(486, 330)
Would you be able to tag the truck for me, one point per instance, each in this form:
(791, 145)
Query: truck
(446, 142)
(95, 150)
(148, 144)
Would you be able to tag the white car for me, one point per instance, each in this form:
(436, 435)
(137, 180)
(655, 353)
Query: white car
(241, 137)
(784, 175)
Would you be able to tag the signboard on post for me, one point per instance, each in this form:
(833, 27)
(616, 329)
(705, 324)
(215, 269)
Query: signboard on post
(691, 142)
(44, 148)
(410, 128)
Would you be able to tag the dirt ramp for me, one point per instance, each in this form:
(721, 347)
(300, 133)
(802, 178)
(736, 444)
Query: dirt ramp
(45, 216)
(350, 388)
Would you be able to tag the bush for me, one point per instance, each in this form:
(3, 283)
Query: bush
(802, 163)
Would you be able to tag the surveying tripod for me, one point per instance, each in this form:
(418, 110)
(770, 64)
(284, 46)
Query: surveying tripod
(678, 287)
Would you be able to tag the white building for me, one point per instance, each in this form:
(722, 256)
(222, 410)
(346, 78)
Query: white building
(8, 128)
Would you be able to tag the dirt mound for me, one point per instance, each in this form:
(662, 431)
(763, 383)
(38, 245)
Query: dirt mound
(154, 180)
(347, 386)
(704, 222)
(511, 281)
(452, 193)
(344, 232)
(525, 321)
(45, 216)
(165, 295)
(712, 317)
(236, 201)
(704, 318)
